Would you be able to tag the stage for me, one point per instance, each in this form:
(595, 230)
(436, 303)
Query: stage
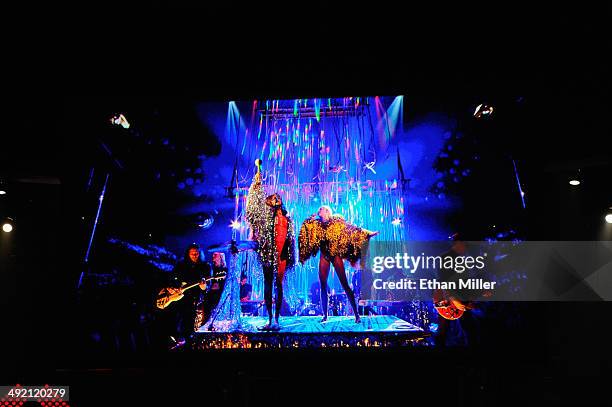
(308, 331)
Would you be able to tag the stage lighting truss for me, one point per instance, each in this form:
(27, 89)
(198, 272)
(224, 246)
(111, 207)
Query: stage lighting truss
(374, 186)
(284, 113)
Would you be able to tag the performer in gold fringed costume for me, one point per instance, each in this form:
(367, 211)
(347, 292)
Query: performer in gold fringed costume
(274, 233)
(338, 240)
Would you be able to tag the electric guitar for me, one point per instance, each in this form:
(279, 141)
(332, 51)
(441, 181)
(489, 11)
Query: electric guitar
(450, 308)
(168, 295)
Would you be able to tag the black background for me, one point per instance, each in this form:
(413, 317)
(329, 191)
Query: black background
(556, 59)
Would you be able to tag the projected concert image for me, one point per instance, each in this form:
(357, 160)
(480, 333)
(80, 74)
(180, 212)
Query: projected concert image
(337, 205)
(241, 224)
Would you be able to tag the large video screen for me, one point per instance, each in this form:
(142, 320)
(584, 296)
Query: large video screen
(266, 223)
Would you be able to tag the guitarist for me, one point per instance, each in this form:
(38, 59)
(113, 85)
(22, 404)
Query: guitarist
(183, 313)
(468, 322)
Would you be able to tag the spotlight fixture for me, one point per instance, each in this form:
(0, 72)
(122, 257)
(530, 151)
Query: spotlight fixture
(608, 216)
(120, 120)
(7, 225)
(575, 180)
(2, 192)
(483, 110)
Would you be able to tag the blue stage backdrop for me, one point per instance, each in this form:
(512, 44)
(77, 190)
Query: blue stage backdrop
(354, 154)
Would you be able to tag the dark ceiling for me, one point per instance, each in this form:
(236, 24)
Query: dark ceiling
(546, 70)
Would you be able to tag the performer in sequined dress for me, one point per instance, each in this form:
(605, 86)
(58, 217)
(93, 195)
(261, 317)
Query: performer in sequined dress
(337, 240)
(274, 233)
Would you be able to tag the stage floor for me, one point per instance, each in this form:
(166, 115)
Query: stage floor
(334, 324)
(308, 332)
